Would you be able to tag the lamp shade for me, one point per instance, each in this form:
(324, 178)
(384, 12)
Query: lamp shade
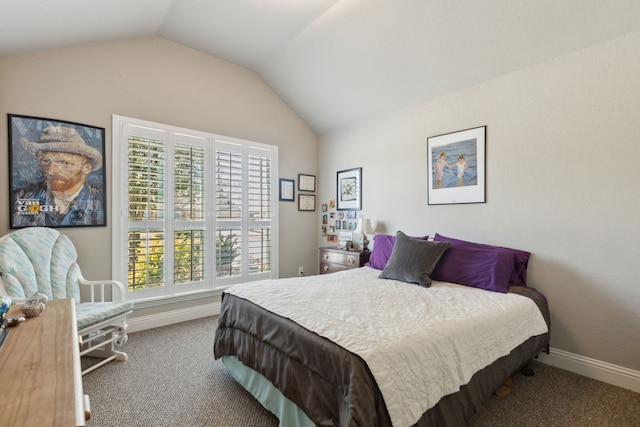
(364, 226)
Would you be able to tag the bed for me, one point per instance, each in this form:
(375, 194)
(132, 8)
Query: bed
(389, 344)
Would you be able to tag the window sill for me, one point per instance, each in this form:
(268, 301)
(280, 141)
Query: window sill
(172, 299)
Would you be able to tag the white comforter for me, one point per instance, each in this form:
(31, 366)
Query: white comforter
(420, 343)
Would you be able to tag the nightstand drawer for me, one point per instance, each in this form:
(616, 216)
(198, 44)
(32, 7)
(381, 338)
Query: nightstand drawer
(347, 259)
(326, 268)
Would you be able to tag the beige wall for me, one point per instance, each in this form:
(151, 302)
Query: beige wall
(563, 147)
(157, 80)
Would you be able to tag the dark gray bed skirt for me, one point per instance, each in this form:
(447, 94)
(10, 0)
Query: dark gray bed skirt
(335, 387)
(457, 409)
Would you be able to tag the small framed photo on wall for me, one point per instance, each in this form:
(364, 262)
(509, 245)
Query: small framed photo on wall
(306, 202)
(349, 189)
(287, 190)
(306, 182)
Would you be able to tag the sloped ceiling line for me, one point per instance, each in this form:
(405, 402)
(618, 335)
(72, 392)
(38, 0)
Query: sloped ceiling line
(337, 62)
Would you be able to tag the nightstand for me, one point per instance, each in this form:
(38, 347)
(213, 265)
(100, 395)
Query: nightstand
(333, 259)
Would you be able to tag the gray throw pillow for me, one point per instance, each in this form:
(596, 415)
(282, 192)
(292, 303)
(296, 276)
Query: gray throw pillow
(413, 260)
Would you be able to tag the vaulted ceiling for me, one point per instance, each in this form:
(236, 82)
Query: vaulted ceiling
(337, 62)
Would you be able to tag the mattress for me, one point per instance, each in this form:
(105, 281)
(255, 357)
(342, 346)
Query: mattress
(375, 352)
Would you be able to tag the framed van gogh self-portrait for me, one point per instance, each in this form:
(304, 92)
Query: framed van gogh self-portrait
(350, 189)
(56, 173)
(456, 164)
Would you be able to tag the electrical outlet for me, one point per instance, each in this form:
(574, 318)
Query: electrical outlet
(300, 271)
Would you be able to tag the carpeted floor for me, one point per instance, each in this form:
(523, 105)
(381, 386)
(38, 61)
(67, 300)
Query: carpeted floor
(171, 379)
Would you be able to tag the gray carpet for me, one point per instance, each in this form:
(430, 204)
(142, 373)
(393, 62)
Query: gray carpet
(171, 379)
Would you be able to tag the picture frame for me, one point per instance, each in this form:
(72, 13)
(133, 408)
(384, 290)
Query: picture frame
(306, 202)
(349, 189)
(457, 167)
(306, 182)
(287, 190)
(56, 173)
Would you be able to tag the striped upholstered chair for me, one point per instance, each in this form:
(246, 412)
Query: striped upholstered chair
(38, 259)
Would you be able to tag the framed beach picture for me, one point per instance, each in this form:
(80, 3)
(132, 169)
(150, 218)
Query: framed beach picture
(456, 167)
(56, 173)
(349, 189)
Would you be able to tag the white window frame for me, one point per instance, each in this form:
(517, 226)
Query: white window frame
(170, 292)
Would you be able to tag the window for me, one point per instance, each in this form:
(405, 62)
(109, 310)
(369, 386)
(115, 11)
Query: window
(192, 211)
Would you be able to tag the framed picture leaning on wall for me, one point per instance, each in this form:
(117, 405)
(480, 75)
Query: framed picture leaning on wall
(56, 173)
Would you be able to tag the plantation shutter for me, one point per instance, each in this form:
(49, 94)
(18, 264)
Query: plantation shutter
(229, 209)
(260, 202)
(146, 209)
(243, 210)
(193, 211)
(189, 211)
(166, 213)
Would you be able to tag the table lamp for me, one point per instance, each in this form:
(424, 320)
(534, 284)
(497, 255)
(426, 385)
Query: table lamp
(364, 227)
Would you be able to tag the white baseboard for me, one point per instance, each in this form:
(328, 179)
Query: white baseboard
(592, 368)
(169, 317)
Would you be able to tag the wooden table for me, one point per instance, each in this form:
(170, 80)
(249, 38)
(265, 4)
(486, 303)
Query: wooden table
(40, 370)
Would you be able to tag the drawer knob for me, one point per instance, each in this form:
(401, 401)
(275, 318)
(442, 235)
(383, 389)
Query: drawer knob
(352, 260)
(325, 267)
(325, 256)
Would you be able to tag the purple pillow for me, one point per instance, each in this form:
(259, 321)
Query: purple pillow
(477, 267)
(518, 275)
(382, 248)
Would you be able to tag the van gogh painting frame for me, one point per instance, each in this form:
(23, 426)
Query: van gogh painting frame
(56, 173)
(457, 167)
